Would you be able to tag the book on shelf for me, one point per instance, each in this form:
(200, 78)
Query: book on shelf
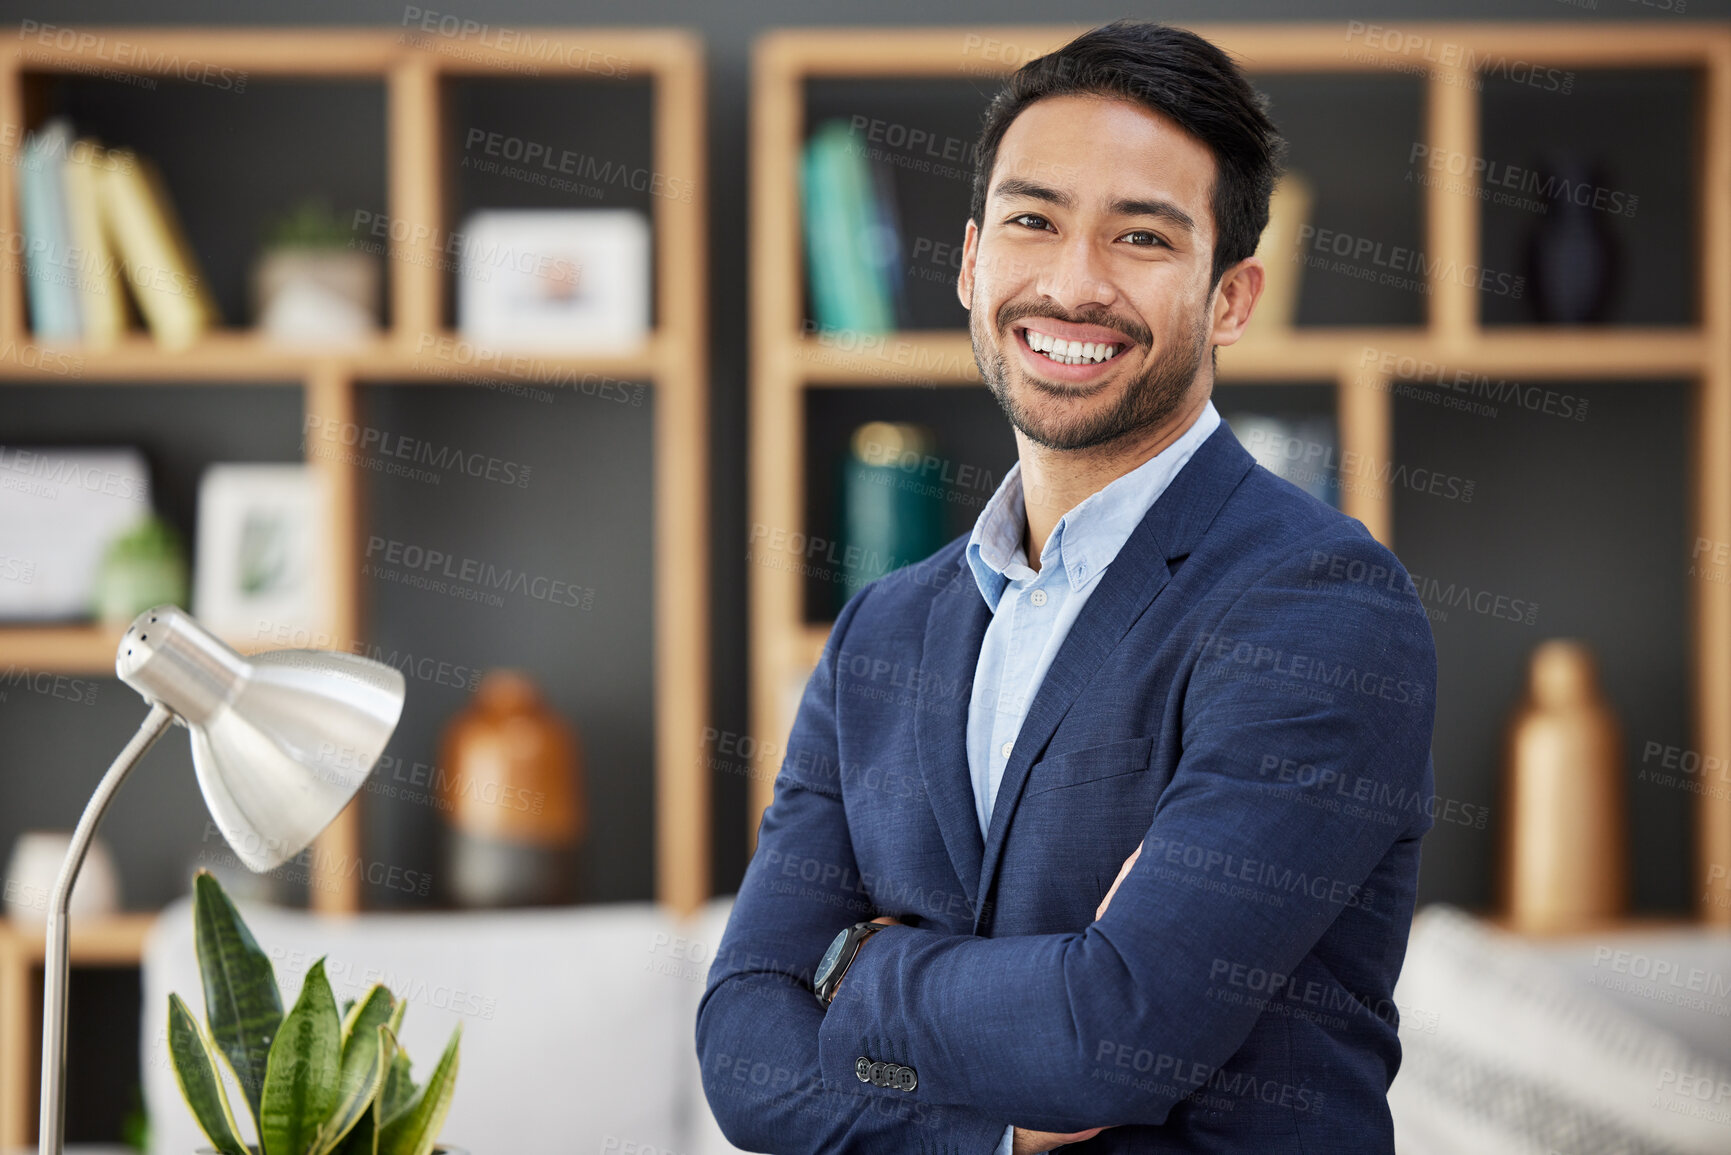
(99, 225)
(101, 296)
(852, 234)
(47, 239)
(159, 265)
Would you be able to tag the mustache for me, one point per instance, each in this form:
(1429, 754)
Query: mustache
(1134, 332)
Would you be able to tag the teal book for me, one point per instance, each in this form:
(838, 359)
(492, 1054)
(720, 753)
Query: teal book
(49, 268)
(842, 234)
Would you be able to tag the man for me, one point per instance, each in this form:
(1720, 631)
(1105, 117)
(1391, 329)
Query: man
(1133, 778)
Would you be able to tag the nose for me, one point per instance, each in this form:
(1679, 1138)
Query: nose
(1075, 277)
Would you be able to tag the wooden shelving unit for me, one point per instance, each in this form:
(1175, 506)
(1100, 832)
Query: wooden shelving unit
(786, 360)
(674, 360)
(116, 941)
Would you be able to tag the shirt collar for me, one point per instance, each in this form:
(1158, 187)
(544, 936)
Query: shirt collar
(1086, 538)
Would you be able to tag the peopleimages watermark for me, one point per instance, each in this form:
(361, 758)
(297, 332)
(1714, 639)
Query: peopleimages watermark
(45, 474)
(49, 684)
(319, 869)
(1362, 796)
(1215, 1089)
(127, 58)
(456, 31)
(465, 577)
(30, 355)
(829, 882)
(1513, 185)
(452, 358)
(386, 452)
(1366, 581)
(1468, 390)
(1357, 472)
(536, 162)
(1662, 980)
(1268, 882)
(350, 980)
(902, 358)
(1683, 769)
(1396, 266)
(1463, 64)
(1274, 992)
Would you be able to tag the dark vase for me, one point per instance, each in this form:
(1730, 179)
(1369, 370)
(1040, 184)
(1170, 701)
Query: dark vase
(1573, 259)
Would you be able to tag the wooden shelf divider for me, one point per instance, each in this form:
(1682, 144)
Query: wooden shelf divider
(786, 360)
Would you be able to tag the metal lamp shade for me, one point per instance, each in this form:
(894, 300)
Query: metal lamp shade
(281, 741)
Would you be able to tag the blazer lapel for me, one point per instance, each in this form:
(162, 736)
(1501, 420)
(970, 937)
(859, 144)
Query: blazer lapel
(1135, 577)
(955, 628)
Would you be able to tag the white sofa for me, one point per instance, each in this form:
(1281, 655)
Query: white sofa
(579, 1025)
(579, 1029)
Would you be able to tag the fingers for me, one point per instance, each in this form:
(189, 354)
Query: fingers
(1100, 911)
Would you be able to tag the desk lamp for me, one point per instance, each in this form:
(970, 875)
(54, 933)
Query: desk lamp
(280, 741)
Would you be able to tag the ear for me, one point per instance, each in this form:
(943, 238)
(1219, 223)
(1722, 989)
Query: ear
(970, 252)
(1236, 296)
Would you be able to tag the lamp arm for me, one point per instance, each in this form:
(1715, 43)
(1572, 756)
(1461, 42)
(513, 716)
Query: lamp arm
(51, 1127)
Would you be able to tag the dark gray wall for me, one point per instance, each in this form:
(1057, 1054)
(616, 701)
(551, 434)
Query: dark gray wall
(1584, 518)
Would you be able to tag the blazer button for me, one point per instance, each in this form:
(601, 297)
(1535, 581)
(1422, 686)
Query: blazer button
(862, 1069)
(880, 1074)
(906, 1079)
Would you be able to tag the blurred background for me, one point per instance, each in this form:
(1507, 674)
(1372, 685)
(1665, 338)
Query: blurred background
(579, 364)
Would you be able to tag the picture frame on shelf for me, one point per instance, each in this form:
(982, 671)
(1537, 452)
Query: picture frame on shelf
(261, 531)
(60, 508)
(555, 280)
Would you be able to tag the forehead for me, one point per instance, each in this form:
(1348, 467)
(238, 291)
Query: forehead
(1098, 148)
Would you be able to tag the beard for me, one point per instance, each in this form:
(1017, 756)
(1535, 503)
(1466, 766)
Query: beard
(1150, 397)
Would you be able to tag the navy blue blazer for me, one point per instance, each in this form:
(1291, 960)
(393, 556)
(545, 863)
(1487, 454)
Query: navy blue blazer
(1249, 695)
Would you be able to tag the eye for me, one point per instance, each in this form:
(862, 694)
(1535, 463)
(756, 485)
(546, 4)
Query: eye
(1154, 239)
(1027, 217)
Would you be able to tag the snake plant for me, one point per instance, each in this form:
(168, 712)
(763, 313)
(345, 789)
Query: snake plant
(316, 1081)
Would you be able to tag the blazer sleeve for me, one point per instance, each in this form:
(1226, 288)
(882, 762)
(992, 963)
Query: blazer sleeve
(1234, 866)
(758, 1020)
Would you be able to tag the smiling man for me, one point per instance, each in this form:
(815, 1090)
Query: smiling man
(1166, 717)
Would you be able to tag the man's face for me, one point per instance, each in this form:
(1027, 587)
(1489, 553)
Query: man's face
(1098, 229)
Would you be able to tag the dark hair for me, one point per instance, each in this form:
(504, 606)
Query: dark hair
(1180, 75)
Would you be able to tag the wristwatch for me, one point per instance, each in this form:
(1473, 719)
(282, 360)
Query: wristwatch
(839, 957)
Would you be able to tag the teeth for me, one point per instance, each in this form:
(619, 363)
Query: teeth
(1069, 352)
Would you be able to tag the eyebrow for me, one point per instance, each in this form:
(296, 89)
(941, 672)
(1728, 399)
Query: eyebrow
(1123, 206)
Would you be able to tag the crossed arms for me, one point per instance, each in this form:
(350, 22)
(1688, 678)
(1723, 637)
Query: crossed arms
(1017, 1029)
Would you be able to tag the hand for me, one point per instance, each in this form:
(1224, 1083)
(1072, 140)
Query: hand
(1032, 1142)
(1024, 1142)
(886, 920)
(1100, 911)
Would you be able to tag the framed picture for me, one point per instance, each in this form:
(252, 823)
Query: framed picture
(563, 280)
(261, 548)
(59, 510)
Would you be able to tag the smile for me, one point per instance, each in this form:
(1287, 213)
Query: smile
(1081, 358)
(1070, 352)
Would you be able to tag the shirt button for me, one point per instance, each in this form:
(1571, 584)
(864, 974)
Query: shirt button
(1006, 748)
(1038, 597)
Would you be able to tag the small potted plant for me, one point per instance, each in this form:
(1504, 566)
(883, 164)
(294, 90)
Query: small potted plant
(314, 283)
(318, 1081)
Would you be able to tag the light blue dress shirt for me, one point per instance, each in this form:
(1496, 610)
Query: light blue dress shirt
(1032, 610)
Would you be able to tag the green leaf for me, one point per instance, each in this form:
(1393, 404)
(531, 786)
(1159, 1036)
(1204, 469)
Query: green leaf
(200, 1084)
(398, 1093)
(416, 1130)
(362, 1070)
(302, 1077)
(241, 1000)
(364, 1139)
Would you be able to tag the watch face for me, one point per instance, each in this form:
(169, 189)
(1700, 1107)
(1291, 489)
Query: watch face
(827, 965)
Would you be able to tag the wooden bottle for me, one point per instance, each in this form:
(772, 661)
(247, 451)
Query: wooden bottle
(512, 789)
(1565, 855)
